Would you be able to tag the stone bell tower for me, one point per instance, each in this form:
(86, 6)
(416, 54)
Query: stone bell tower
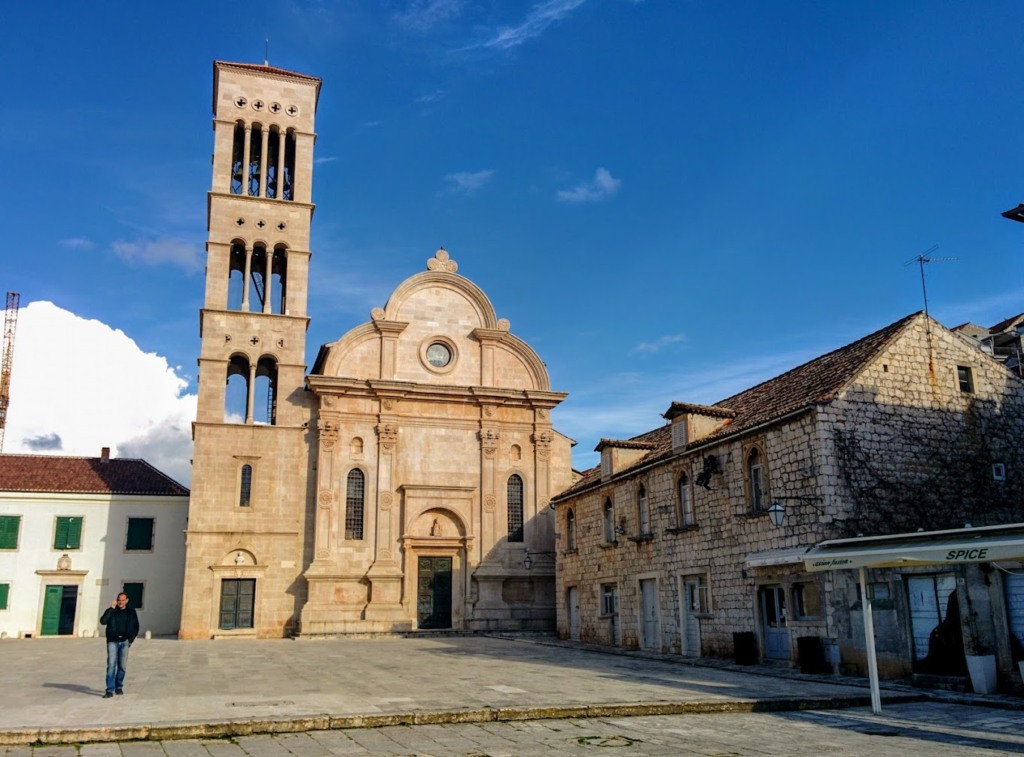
(246, 544)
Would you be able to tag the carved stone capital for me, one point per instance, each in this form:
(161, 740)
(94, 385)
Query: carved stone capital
(388, 434)
(328, 433)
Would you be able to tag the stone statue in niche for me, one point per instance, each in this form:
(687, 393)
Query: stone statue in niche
(435, 528)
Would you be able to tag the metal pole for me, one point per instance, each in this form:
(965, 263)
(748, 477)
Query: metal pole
(869, 638)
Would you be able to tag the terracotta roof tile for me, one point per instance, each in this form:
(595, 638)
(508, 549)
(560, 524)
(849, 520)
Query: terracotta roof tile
(258, 68)
(813, 383)
(84, 475)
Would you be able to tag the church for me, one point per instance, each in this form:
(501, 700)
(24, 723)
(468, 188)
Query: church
(401, 484)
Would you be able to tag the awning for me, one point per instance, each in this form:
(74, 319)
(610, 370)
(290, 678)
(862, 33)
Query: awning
(774, 557)
(962, 545)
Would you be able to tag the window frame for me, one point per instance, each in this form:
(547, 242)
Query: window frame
(608, 515)
(128, 533)
(755, 472)
(643, 511)
(515, 509)
(67, 521)
(965, 379)
(686, 515)
(570, 529)
(5, 595)
(355, 505)
(799, 602)
(609, 598)
(245, 476)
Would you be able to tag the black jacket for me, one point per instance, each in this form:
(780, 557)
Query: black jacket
(122, 625)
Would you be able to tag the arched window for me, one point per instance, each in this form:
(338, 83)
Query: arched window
(643, 511)
(236, 392)
(245, 486)
(686, 516)
(255, 161)
(236, 276)
(356, 447)
(609, 521)
(756, 483)
(264, 411)
(515, 508)
(237, 159)
(278, 281)
(570, 529)
(516, 453)
(355, 495)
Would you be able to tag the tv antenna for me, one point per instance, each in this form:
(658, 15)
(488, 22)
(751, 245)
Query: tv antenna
(927, 257)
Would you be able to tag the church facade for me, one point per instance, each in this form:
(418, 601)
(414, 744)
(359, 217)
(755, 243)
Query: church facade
(398, 485)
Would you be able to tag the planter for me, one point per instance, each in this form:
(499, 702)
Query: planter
(982, 669)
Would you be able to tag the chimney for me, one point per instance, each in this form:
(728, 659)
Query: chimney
(105, 455)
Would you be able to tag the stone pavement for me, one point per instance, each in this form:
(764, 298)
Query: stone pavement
(53, 688)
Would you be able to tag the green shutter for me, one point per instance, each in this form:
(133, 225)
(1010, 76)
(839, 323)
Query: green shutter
(5, 591)
(140, 534)
(9, 525)
(51, 610)
(134, 591)
(68, 533)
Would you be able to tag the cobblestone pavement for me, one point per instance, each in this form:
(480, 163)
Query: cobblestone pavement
(926, 728)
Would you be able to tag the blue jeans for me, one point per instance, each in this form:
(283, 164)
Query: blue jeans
(117, 664)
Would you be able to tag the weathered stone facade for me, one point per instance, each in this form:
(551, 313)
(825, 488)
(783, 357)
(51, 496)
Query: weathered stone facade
(896, 432)
(396, 486)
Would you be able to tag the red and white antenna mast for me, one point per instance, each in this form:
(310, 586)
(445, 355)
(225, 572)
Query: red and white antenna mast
(10, 323)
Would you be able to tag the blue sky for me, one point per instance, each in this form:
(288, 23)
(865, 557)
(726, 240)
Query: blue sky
(668, 200)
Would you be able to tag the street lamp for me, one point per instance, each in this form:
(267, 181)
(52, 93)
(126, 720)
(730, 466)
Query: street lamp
(528, 560)
(777, 511)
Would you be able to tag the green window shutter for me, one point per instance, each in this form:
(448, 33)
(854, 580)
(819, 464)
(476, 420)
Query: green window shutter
(9, 525)
(68, 533)
(134, 591)
(5, 590)
(140, 534)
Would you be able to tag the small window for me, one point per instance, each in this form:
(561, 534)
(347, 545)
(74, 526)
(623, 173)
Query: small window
(10, 525)
(68, 533)
(755, 481)
(355, 498)
(237, 602)
(965, 378)
(643, 511)
(515, 508)
(807, 600)
(609, 599)
(998, 471)
(140, 535)
(570, 529)
(5, 593)
(686, 516)
(134, 591)
(609, 521)
(696, 594)
(245, 487)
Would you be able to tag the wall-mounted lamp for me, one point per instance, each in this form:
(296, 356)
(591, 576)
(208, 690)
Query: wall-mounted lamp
(777, 511)
(528, 560)
(620, 531)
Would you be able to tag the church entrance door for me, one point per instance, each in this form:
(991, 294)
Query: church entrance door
(434, 593)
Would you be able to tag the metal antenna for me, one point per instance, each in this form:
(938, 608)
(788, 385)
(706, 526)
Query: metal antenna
(926, 257)
(266, 51)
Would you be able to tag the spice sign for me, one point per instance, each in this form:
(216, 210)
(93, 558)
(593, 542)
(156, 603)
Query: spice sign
(967, 555)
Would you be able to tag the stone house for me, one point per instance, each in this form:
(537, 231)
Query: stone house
(1004, 341)
(76, 531)
(396, 486)
(669, 544)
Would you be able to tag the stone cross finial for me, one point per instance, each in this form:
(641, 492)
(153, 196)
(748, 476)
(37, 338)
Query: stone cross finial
(442, 262)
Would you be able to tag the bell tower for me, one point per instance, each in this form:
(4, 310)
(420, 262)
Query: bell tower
(246, 543)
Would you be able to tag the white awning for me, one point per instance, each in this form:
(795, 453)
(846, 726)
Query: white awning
(962, 545)
(774, 557)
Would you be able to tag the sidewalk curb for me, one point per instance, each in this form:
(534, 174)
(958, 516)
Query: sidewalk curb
(326, 722)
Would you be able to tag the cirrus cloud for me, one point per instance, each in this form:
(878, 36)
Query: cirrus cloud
(601, 187)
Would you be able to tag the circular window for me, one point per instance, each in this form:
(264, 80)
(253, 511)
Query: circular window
(439, 355)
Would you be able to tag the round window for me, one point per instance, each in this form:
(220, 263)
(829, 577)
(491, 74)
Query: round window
(439, 355)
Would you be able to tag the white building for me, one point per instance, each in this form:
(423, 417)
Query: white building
(76, 531)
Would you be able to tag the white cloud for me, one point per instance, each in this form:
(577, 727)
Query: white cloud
(159, 251)
(78, 243)
(536, 23)
(430, 97)
(325, 159)
(78, 385)
(468, 183)
(423, 15)
(601, 187)
(658, 344)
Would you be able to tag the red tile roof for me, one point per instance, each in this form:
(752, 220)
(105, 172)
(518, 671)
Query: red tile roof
(814, 383)
(261, 69)
(84, 475)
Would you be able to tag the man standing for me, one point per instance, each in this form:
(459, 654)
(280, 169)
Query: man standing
(122, 627)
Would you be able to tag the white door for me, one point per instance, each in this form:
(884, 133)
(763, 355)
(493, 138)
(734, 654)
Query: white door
(572, 601)
(691, 606)
(649, 614)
